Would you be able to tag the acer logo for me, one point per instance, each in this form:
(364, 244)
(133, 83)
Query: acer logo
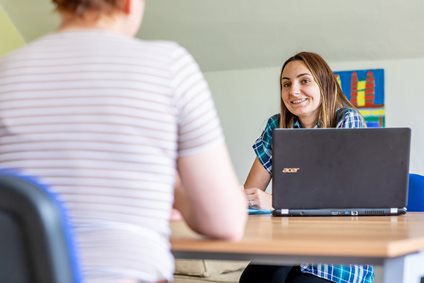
(291, 170)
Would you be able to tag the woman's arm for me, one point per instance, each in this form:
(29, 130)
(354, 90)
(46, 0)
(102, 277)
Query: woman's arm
(209, 196)
(256, 183)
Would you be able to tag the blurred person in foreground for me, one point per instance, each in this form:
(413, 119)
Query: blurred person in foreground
(109, 122)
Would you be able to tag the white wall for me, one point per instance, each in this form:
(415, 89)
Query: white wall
(246, 98)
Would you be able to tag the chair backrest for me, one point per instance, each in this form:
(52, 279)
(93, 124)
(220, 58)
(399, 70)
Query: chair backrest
(416, 193)
(35, 239)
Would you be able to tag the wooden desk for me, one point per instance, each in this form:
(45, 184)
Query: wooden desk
(394, 242)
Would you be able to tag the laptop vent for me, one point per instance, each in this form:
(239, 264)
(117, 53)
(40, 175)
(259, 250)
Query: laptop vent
(374, 212)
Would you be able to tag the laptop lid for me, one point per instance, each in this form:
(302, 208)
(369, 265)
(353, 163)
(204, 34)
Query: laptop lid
(362, 171)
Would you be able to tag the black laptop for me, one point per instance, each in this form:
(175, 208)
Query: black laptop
(340, 172)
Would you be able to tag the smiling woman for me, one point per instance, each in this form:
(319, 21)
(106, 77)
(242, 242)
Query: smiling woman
(310, 97)
(300, 94)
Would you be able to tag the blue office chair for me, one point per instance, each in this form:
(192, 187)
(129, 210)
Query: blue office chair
(416, 193)
(35, 239)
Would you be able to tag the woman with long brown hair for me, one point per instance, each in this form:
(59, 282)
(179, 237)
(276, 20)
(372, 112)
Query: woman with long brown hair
(310, 97)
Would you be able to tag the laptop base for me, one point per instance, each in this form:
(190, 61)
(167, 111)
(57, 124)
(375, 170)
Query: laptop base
(340, 212)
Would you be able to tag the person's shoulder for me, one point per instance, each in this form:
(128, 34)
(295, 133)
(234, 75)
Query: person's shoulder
(165, 44)
(275, 117)
(273, 121)
(23, 53)
(346, 111)
(162, 46)
(168, 51)
(349, 118)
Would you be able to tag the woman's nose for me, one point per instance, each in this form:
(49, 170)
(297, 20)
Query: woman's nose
(294, 90)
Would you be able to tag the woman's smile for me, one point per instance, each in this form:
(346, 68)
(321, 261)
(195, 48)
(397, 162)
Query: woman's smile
(298, 101)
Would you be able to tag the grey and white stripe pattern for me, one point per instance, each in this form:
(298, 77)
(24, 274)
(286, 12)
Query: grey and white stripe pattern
(101, 119)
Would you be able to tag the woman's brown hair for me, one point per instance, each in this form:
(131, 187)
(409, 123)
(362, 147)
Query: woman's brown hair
(80, 7)
(332, 96)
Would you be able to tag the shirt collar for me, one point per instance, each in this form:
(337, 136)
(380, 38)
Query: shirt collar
(297, 124)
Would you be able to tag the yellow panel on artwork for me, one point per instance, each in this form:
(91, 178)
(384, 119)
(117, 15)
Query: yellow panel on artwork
(361, 93)
(372, 112)
(10, 38)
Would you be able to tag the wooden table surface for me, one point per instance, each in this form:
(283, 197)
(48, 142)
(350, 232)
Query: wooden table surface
(366, 236)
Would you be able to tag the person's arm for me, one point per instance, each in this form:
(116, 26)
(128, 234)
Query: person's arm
(258, 177)
(260, 174)
(255, 186)
(209, 196)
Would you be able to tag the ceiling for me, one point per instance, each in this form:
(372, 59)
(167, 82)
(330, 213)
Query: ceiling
(239, 34)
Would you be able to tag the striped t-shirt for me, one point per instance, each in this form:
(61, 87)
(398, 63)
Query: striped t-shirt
(101, 119)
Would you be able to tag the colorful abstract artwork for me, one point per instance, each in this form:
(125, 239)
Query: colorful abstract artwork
(365, 89)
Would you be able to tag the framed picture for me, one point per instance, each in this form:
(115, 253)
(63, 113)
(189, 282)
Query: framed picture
(365, 89)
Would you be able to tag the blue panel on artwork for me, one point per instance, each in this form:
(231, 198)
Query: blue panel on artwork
(373, 124)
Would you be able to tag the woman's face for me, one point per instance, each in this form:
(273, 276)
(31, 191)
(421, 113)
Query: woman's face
(300, 93)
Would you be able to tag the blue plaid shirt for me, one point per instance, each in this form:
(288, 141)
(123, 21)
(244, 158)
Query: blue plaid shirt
(346, 118)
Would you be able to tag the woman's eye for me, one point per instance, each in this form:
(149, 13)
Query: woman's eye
(305, 81)
(285, 85)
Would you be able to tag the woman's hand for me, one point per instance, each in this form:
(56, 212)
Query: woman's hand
(257, 198)
(256, 183)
